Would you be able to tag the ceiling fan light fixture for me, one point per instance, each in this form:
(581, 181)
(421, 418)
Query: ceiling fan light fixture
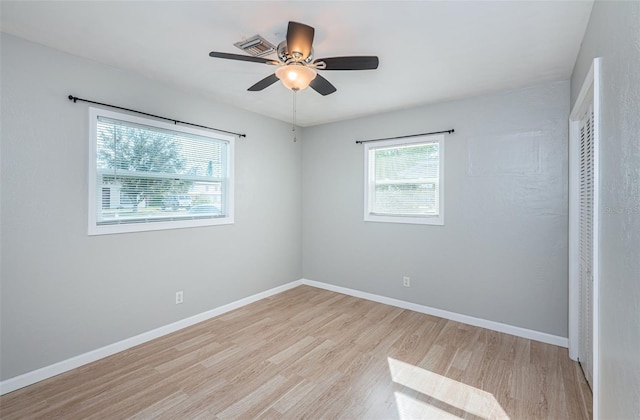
(295, 76)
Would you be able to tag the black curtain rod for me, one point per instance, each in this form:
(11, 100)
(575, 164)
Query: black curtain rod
(76, 99)
(404, 137)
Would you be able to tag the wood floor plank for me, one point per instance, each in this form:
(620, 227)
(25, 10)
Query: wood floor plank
(312, 353)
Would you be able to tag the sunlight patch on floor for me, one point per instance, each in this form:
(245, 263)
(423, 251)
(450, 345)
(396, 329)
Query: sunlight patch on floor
(412, 408)
(450, 398)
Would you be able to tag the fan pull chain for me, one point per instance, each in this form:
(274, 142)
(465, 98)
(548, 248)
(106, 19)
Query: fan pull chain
(293, 127)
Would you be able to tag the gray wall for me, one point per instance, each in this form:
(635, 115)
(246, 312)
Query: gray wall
(614, 34)
(65, 293)
(502, 253)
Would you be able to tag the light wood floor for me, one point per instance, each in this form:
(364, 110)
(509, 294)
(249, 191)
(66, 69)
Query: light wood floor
(311, 353)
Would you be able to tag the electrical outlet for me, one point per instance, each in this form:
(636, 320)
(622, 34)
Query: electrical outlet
(179, 297)
(406, 281)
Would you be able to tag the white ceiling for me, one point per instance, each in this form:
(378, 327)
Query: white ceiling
(430, 51)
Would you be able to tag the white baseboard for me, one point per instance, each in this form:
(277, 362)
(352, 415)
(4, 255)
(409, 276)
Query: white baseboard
(46, 372)
(465, 319)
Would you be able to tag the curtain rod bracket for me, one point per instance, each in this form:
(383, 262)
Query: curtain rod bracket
(75, 99)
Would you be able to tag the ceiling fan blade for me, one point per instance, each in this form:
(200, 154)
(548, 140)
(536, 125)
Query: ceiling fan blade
(264, 83)
(241, 57)
(322, 86)
(349, 63)
(299, 39)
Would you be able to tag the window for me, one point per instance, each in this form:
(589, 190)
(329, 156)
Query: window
(403, 180)
(148, 175)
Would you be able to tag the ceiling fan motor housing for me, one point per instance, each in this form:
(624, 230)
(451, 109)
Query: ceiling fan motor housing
(285, 57)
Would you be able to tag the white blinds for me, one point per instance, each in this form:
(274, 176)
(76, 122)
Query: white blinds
(405, 179)
(149, 174)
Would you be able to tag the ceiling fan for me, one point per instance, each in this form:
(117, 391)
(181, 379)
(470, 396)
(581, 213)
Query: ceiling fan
(296, 67)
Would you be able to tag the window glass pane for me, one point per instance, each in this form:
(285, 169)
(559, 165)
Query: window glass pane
(406, 199)
(125, 199)
(407, 162)
(406, 180)
(135, 147)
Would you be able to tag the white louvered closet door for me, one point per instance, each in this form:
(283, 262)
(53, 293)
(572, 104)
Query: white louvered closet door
(585, 352)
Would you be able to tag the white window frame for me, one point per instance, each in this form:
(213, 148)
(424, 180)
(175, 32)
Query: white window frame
(369, 182)
(95, 191)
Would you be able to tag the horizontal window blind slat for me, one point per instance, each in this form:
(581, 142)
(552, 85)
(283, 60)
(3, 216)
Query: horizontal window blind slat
(155, 175)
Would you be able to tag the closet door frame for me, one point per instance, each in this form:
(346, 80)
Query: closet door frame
(589, 94)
